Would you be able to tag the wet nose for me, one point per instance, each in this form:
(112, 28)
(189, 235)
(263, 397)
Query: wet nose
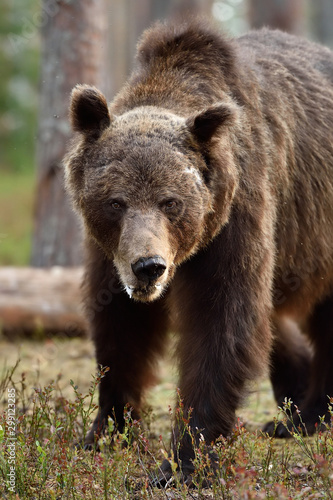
(149, 268)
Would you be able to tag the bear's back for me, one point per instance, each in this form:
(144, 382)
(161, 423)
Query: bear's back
(293, 52)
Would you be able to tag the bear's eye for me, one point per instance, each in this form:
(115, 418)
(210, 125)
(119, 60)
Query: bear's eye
(116, 205)
(170, 204)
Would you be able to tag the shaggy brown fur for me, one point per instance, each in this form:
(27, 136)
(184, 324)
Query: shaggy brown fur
(207, 194)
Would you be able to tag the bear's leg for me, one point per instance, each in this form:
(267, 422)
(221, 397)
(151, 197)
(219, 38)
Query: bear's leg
(320, 331)
(128, 337)
(290, 362)
(290, 365)
(222, 314)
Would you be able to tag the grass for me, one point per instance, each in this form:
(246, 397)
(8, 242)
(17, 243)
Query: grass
(52, 413)
(16, 207)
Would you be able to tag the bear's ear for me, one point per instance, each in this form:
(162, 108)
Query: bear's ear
(88, 112)
(204, 125)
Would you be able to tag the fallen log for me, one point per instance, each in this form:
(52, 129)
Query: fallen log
(36, 301)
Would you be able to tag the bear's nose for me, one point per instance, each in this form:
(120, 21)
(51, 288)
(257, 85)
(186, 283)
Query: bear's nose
(149, 268)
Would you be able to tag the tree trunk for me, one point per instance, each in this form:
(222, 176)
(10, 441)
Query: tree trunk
(189, 7)
(286, 15)
(73, 51)
(41, 301)
(130, 18)
(322, 20)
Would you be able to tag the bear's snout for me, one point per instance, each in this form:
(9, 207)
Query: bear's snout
(149, 269)
(144, 259)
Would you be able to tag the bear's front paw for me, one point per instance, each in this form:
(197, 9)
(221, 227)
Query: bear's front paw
(164, 477)
(277, 429)
(183, 472)
(87, 445)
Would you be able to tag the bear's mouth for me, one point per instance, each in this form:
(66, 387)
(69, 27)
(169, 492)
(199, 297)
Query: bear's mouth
(146, 293)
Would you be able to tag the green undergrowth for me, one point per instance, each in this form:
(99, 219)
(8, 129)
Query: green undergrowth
(17, 191)
(38, 434)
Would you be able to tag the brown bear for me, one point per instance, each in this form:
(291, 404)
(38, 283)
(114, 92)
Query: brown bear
(206, 191)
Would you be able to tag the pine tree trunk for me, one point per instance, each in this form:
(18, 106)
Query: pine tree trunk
(130, 18)
(322, 20)
(73, 51)
(286, 15)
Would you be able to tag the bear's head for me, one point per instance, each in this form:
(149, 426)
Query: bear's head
(152, 187)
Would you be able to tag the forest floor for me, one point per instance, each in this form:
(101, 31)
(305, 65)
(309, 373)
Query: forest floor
(43, 361)
(55, 391)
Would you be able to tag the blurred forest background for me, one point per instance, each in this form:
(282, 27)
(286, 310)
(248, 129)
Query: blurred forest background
(46, 48)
